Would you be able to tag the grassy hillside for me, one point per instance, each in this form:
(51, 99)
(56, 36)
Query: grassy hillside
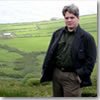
(22, 54)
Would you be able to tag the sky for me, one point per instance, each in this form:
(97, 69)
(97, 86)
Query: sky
(31, 11)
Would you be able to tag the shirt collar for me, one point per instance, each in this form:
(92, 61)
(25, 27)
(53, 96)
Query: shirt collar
(66, 30)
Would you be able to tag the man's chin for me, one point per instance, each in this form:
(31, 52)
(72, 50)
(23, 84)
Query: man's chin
(70, 29)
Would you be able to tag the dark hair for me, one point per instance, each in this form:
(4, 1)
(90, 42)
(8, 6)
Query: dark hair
(71, 9)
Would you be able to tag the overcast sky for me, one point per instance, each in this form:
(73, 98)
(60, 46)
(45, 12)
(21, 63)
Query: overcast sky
(30, 11)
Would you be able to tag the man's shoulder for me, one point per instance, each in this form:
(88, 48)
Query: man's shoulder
(85, 33)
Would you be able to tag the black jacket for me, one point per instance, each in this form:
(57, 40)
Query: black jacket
(83, 56)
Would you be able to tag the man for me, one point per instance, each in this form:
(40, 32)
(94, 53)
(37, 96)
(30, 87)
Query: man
(70, 58)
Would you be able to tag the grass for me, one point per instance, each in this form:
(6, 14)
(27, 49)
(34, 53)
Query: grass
(4, 55)
(91, 91)
(31, 87)
(17, 89)
(28, 44)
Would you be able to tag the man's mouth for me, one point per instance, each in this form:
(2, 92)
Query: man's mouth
(69, 24)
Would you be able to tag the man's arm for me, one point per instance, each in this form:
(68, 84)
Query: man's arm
(88, 66)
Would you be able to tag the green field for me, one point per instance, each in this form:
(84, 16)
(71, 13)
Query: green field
(22, 54)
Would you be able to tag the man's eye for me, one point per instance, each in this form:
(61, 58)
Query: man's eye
(72, 17)
(69, 18)
(66, 17)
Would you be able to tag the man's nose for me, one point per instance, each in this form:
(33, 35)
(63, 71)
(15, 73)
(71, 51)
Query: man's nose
(69, 19)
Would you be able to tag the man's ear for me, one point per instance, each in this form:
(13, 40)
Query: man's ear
(78, 18)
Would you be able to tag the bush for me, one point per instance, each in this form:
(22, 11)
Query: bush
(32, 82)
(27, 77)
(46, 83)
(18, 68)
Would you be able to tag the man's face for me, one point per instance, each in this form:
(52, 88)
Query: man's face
(71, 21)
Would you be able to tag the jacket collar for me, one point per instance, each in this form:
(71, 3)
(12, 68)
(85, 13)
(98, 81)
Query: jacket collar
(78, 33)
(66, 29)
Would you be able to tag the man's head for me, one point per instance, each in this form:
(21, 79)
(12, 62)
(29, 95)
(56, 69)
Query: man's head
(71, 15)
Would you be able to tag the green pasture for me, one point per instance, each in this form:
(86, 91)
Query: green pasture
(34, 44)
(22, 55)
(8, 56)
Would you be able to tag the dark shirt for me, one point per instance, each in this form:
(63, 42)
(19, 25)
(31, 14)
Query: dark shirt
(63, 52)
